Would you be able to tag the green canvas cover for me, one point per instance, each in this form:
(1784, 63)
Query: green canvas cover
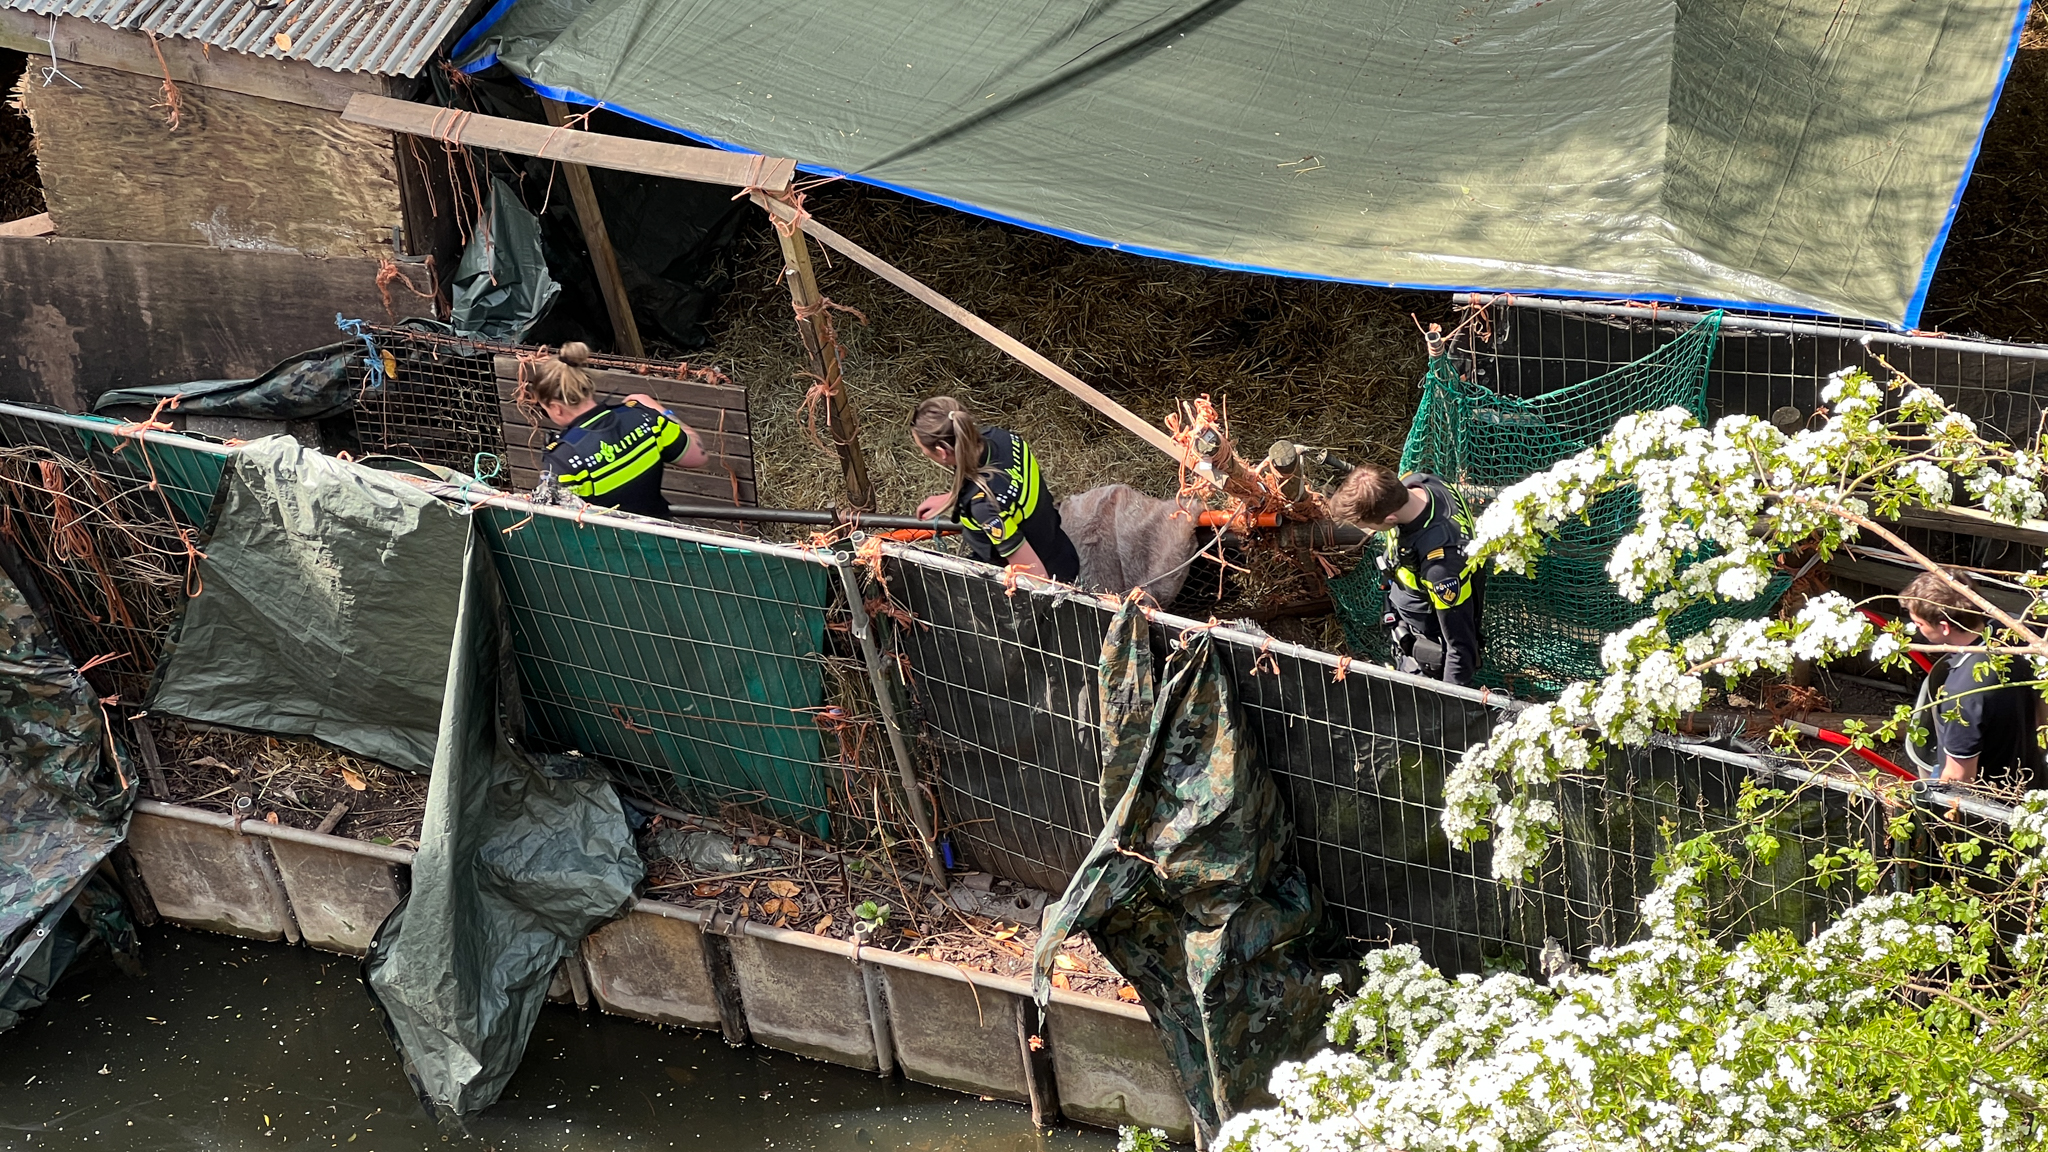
(1792, 153)
(1190, 890)
(328, 607)
(520, 857)
(65, 800)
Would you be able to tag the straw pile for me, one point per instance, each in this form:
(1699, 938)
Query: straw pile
(1326, 364)
(1990, 280)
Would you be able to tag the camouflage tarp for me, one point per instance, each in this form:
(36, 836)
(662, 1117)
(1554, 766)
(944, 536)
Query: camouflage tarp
(1189, 890)
(63, 800)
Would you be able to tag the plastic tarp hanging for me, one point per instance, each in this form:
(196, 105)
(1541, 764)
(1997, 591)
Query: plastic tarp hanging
(1788, 153)
(65, 800)
(313, 385)
(502, 286)
(350, 605)
(520, 857)
(1190, 890)
(328, 608)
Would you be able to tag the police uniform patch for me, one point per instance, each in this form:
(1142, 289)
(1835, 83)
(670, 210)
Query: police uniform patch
(1438, 554)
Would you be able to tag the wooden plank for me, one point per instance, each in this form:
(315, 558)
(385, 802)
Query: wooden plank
(86, 316)
(1976, 522)
(1894, 577)
(611, 382)
(715, 425)
(238, 172)
(603, 261)
(1015, 348)
(652, 158)
(36, 225)
(82, 41)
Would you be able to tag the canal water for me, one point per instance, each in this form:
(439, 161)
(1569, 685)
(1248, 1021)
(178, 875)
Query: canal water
(225, 1044)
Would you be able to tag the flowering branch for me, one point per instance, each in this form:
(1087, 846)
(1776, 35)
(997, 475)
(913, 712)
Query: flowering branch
(1718, 506)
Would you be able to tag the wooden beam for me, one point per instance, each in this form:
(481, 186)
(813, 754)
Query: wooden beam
(625, 332)
(1017, 350)
(82, 41)
(1976, 522)
(36, 225)
(595, 149)
(823, 349)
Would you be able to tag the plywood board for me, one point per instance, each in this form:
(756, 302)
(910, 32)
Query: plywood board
(86, 316)
(718, 413)
(237, 171)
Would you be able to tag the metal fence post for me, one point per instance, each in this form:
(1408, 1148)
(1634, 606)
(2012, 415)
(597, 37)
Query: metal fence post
(885, 702)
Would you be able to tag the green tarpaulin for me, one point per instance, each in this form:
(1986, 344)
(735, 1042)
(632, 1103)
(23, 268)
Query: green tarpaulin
(328, 607)
(351, 606)
(1797, 153)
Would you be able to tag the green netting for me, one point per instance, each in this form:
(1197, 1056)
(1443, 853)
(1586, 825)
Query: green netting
(693, 668)
(1543, 631)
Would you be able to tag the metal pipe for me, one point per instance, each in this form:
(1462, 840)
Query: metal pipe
(804, 516)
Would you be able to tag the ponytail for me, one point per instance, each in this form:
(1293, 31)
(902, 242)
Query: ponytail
(561, 379)
(941, 422)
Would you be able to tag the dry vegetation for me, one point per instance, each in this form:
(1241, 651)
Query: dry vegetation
(1993, 276)
(1327, 364)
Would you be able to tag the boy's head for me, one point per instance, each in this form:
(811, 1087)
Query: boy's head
(1369, 497)
(1941, 613)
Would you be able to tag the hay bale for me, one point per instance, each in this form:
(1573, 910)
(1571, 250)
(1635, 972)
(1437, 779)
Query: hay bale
(1328, 364)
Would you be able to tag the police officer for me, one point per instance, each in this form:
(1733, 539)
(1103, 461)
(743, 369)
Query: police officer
(998, 495)
(1433, 602)
(611, 455)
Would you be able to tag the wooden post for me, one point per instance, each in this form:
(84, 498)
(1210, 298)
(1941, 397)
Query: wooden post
(606, 262)
(823, 349)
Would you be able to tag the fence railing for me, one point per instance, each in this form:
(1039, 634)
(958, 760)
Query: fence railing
(711, 671)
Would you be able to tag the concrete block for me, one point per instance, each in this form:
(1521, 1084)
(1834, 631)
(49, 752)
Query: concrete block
(1112, 1070)
(652, 968)
(339, 898)
(803, 1000)
(208, 877)
(954, 1035)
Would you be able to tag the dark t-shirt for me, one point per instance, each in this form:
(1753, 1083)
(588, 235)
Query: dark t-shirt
(613, 457)
(1008, 506)
(1988, 718)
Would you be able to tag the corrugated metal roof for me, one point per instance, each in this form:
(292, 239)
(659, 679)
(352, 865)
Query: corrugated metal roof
(386, 37)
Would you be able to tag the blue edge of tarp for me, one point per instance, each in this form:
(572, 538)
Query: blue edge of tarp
(1912, 320)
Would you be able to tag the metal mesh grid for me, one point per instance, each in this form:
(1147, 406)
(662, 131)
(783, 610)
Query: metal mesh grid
(436, 400)
(1004, 686)
(697, 670)
(105, 547)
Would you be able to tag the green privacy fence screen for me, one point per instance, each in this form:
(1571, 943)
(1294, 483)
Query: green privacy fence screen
(1544, 630)
(698, 669)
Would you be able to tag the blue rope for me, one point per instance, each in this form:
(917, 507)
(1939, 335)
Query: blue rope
(374, 360)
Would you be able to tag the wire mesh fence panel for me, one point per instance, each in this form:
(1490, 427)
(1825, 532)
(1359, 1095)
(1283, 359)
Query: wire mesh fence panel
(1004, 688)
(1004, 684)
(428, 397)
(696, 669)
(106, 523)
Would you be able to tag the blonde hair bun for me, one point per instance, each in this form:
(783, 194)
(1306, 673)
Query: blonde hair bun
(575, 354)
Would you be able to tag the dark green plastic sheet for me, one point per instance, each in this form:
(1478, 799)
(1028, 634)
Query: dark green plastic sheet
(328, 607)
(1804, 154)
